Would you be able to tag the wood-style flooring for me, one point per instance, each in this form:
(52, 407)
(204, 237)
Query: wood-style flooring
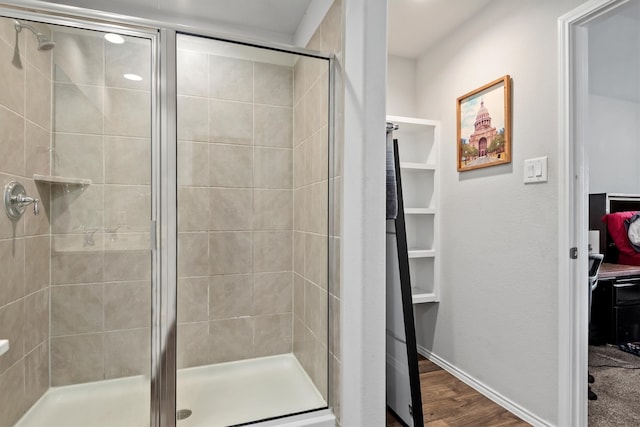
(448, 402)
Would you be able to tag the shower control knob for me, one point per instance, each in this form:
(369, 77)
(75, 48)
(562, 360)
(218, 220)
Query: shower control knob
(21, 200)
(15, 200)
(26, 200)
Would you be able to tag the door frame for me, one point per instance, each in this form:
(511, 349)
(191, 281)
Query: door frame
(573, 302)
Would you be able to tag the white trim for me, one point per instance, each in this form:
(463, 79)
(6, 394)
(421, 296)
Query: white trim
(572, 224)
(485, 390)
(363, 227)
(570, 407)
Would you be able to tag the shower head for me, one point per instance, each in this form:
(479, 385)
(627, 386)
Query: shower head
(43, 42)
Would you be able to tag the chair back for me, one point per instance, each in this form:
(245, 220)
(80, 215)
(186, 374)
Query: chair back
(595, 261)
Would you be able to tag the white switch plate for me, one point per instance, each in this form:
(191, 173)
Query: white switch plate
(535, 170)
(4, 346)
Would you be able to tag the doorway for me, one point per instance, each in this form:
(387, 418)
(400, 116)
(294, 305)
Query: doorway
(595, 93)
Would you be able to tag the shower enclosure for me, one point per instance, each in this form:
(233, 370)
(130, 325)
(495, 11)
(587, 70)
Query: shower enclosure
(177, 272)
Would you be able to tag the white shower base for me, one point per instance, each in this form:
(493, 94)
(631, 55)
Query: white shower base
(218, 395)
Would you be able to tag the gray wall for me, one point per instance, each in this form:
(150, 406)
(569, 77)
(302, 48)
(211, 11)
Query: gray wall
(614, 104)
(401, 86)
(498, 316)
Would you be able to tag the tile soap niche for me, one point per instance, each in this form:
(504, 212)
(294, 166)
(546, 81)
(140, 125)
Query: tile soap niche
(61, 180)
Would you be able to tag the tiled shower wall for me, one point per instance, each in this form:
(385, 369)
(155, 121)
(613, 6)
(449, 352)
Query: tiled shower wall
(235, 208)
(311, 172)
(25, 113)
(236, 192)
(100, 258)
(314, 173)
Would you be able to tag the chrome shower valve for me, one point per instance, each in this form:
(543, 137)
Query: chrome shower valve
(15, 200)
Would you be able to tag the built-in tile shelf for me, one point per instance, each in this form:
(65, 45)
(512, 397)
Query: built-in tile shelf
(4, 346)
(61, 180)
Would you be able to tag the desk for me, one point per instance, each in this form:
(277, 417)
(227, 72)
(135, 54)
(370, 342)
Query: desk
(612, 271)
(615, 311)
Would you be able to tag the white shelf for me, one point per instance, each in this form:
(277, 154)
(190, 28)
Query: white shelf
(422, 253)
(419, 296)
(419, 211)
(65, 180)
(418, 147)
(418, 166)
(418, 188)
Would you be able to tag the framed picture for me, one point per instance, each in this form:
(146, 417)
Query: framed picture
(484, 126)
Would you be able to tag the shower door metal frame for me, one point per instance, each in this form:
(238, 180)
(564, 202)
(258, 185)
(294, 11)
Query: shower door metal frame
(163, 390)
(163, 227)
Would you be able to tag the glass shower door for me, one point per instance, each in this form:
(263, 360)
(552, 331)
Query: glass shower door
(76, 112)
(252, 232)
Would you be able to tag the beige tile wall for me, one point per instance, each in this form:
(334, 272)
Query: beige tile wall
(262, 194)
(258, 256)
(24, 244)
(100, 259)
(317, 336)
(311, 219)
(235, 208)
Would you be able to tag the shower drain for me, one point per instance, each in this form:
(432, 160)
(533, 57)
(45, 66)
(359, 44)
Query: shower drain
(183, 414)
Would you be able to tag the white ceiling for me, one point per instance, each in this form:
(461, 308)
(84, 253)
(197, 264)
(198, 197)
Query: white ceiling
(415, 25)
(282, 21)
(282, 16)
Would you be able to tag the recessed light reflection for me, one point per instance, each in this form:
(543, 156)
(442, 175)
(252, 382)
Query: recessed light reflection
(114, 38)
(134, 77)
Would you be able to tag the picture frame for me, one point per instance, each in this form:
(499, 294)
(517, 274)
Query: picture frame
(484, 126)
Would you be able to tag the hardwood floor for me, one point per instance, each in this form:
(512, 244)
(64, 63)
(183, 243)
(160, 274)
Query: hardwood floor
(448, 402)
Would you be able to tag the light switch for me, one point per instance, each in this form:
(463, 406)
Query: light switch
(535, 170)
(529, 171)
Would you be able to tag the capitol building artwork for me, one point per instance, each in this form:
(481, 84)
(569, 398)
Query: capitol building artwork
(483, 126)
(484, 133)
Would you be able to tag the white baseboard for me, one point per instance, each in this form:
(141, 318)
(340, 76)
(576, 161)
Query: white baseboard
(485, 390)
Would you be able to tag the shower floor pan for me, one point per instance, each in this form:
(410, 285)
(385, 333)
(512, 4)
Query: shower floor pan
(217, 395)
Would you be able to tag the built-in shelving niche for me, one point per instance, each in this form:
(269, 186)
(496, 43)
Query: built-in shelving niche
(418, 142)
